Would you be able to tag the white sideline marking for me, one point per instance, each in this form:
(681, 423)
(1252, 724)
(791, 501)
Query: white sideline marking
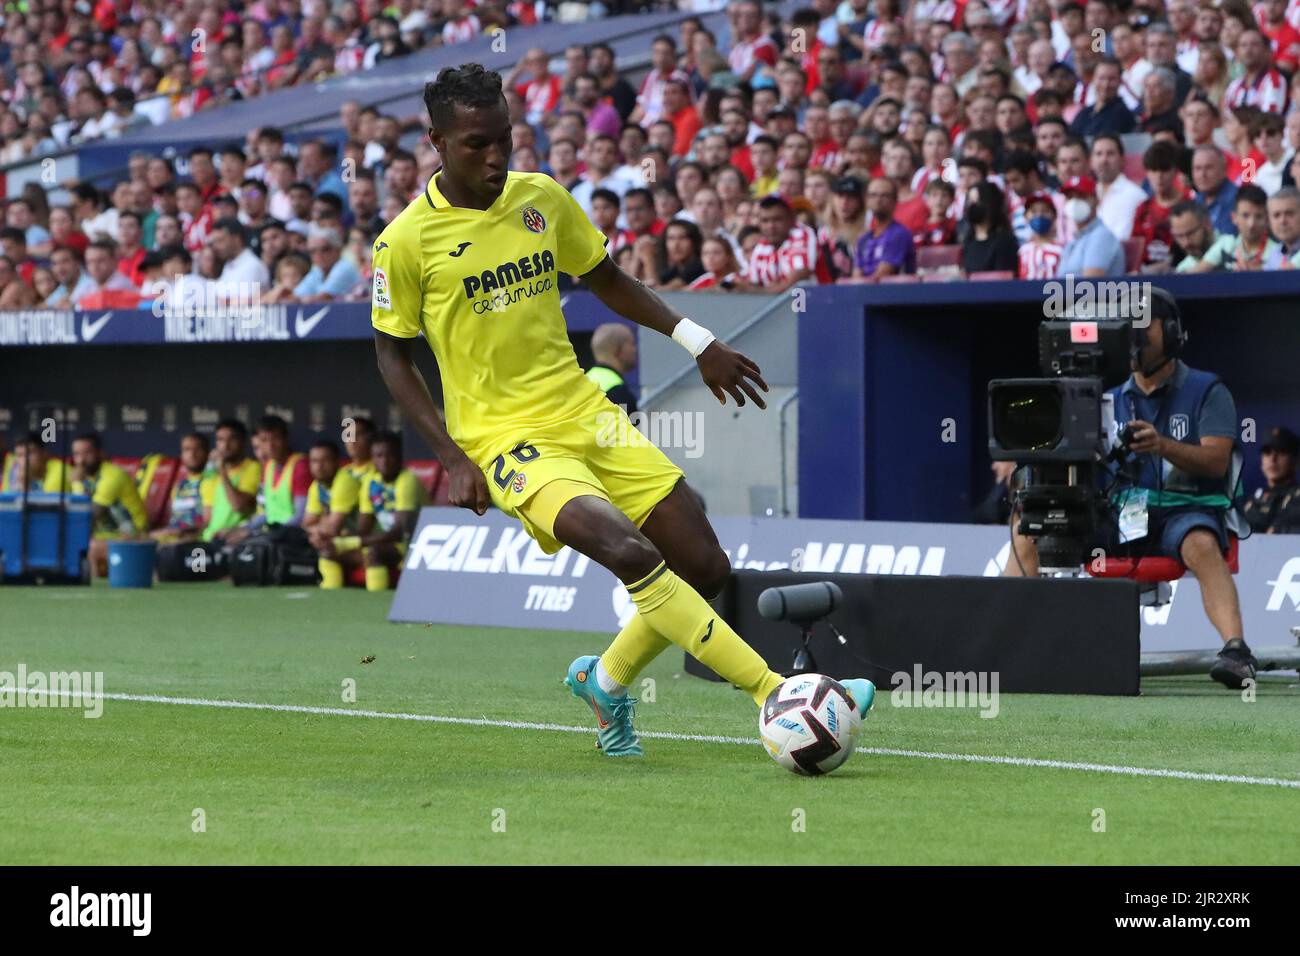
(694, 738)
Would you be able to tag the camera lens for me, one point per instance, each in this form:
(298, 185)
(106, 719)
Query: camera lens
(1027, 417)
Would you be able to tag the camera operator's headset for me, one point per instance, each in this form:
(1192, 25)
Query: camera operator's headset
(1171, 321)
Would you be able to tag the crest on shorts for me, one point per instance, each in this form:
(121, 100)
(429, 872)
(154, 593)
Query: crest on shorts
(1179, 426)
(519, 482)
(534, 221)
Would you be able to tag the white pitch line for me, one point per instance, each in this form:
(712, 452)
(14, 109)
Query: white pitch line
(693, 738)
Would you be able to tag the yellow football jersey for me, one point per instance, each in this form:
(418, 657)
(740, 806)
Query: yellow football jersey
(481, 286)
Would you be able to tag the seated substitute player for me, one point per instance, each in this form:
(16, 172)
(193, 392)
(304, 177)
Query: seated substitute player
(286, 479)
(356, 441)
(391, 498)
(472, 264)
(1183, 453)
(32, 465)
(191, 494)
(118, 510)
(234, 496)
(332, 503)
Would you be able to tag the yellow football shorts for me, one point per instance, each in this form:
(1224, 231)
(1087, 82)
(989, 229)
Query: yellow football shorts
(598, 453)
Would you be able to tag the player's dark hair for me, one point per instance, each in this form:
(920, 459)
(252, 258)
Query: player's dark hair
(236, 426)
(468, 85)
(389, 438)
(273, 423)
(93, 437)
(201, 438)
(325, 443)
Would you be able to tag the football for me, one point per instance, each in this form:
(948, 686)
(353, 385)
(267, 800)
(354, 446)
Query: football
(809, 724)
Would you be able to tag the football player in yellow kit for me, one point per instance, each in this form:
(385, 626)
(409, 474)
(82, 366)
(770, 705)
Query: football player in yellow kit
(472, 264)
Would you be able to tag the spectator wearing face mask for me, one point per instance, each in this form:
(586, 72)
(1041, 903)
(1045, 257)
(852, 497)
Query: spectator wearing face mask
(989, 245)
(1040, 257)
(1094, 251)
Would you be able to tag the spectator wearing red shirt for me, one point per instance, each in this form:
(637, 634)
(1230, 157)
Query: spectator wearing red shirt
(681, 113)
(130, 248)
(900, 166)
(13, 242)
(751, 49)
(939, 228)
(604, 216)
(541, 93)
(1283, 38)
(785, 255)
(1040, 257)
(735, 127)
(1151, 220)
(639, 213)
(1261, 85)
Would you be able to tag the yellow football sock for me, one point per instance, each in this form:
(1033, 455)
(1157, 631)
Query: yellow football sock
(331, 573)
(677, 612)
(377, 579)
(633, 648)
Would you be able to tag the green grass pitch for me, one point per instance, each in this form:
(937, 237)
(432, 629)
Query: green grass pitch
(277, 787)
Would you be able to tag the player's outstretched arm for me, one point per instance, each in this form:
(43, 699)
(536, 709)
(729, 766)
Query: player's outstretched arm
(723, 369)
(468, 487)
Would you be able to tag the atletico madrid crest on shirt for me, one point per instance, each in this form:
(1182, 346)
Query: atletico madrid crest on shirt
(534, 220)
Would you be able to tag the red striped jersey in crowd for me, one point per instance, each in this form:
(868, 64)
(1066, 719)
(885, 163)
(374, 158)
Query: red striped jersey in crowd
(540, 96)
(874, 35)
(1039, 260)
(461, 30)
(1265, 91)
(710, 279)
(924, 176)
(829, 155)
(1284, 40)
(769, 265)
(1292, 15)
(744, 54)
(651, 97)
(349, 57)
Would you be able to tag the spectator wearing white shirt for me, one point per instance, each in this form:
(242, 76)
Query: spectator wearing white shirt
(601, 155)
(229, 240)
(1270, 140)
(1118, 196)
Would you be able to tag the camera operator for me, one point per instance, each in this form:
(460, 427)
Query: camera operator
(1173, 487)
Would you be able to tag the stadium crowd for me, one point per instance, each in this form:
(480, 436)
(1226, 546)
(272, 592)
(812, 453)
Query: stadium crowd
(858, 141)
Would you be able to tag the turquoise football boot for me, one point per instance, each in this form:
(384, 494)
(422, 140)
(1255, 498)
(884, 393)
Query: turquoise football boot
(863, 693)
(615, 734)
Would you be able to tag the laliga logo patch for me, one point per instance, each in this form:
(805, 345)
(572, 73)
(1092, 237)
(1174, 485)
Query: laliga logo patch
(534, 221)
(519, 482)
(382, 300)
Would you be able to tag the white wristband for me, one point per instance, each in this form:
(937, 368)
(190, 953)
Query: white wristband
(694, 338)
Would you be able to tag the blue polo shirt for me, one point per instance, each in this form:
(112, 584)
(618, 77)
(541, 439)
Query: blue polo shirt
(1220, 206)
(1094, 247)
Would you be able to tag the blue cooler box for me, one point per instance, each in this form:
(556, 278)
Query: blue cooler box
(42, 543)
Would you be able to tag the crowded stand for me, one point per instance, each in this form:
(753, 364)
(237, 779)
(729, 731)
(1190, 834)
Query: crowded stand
(864, 141)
